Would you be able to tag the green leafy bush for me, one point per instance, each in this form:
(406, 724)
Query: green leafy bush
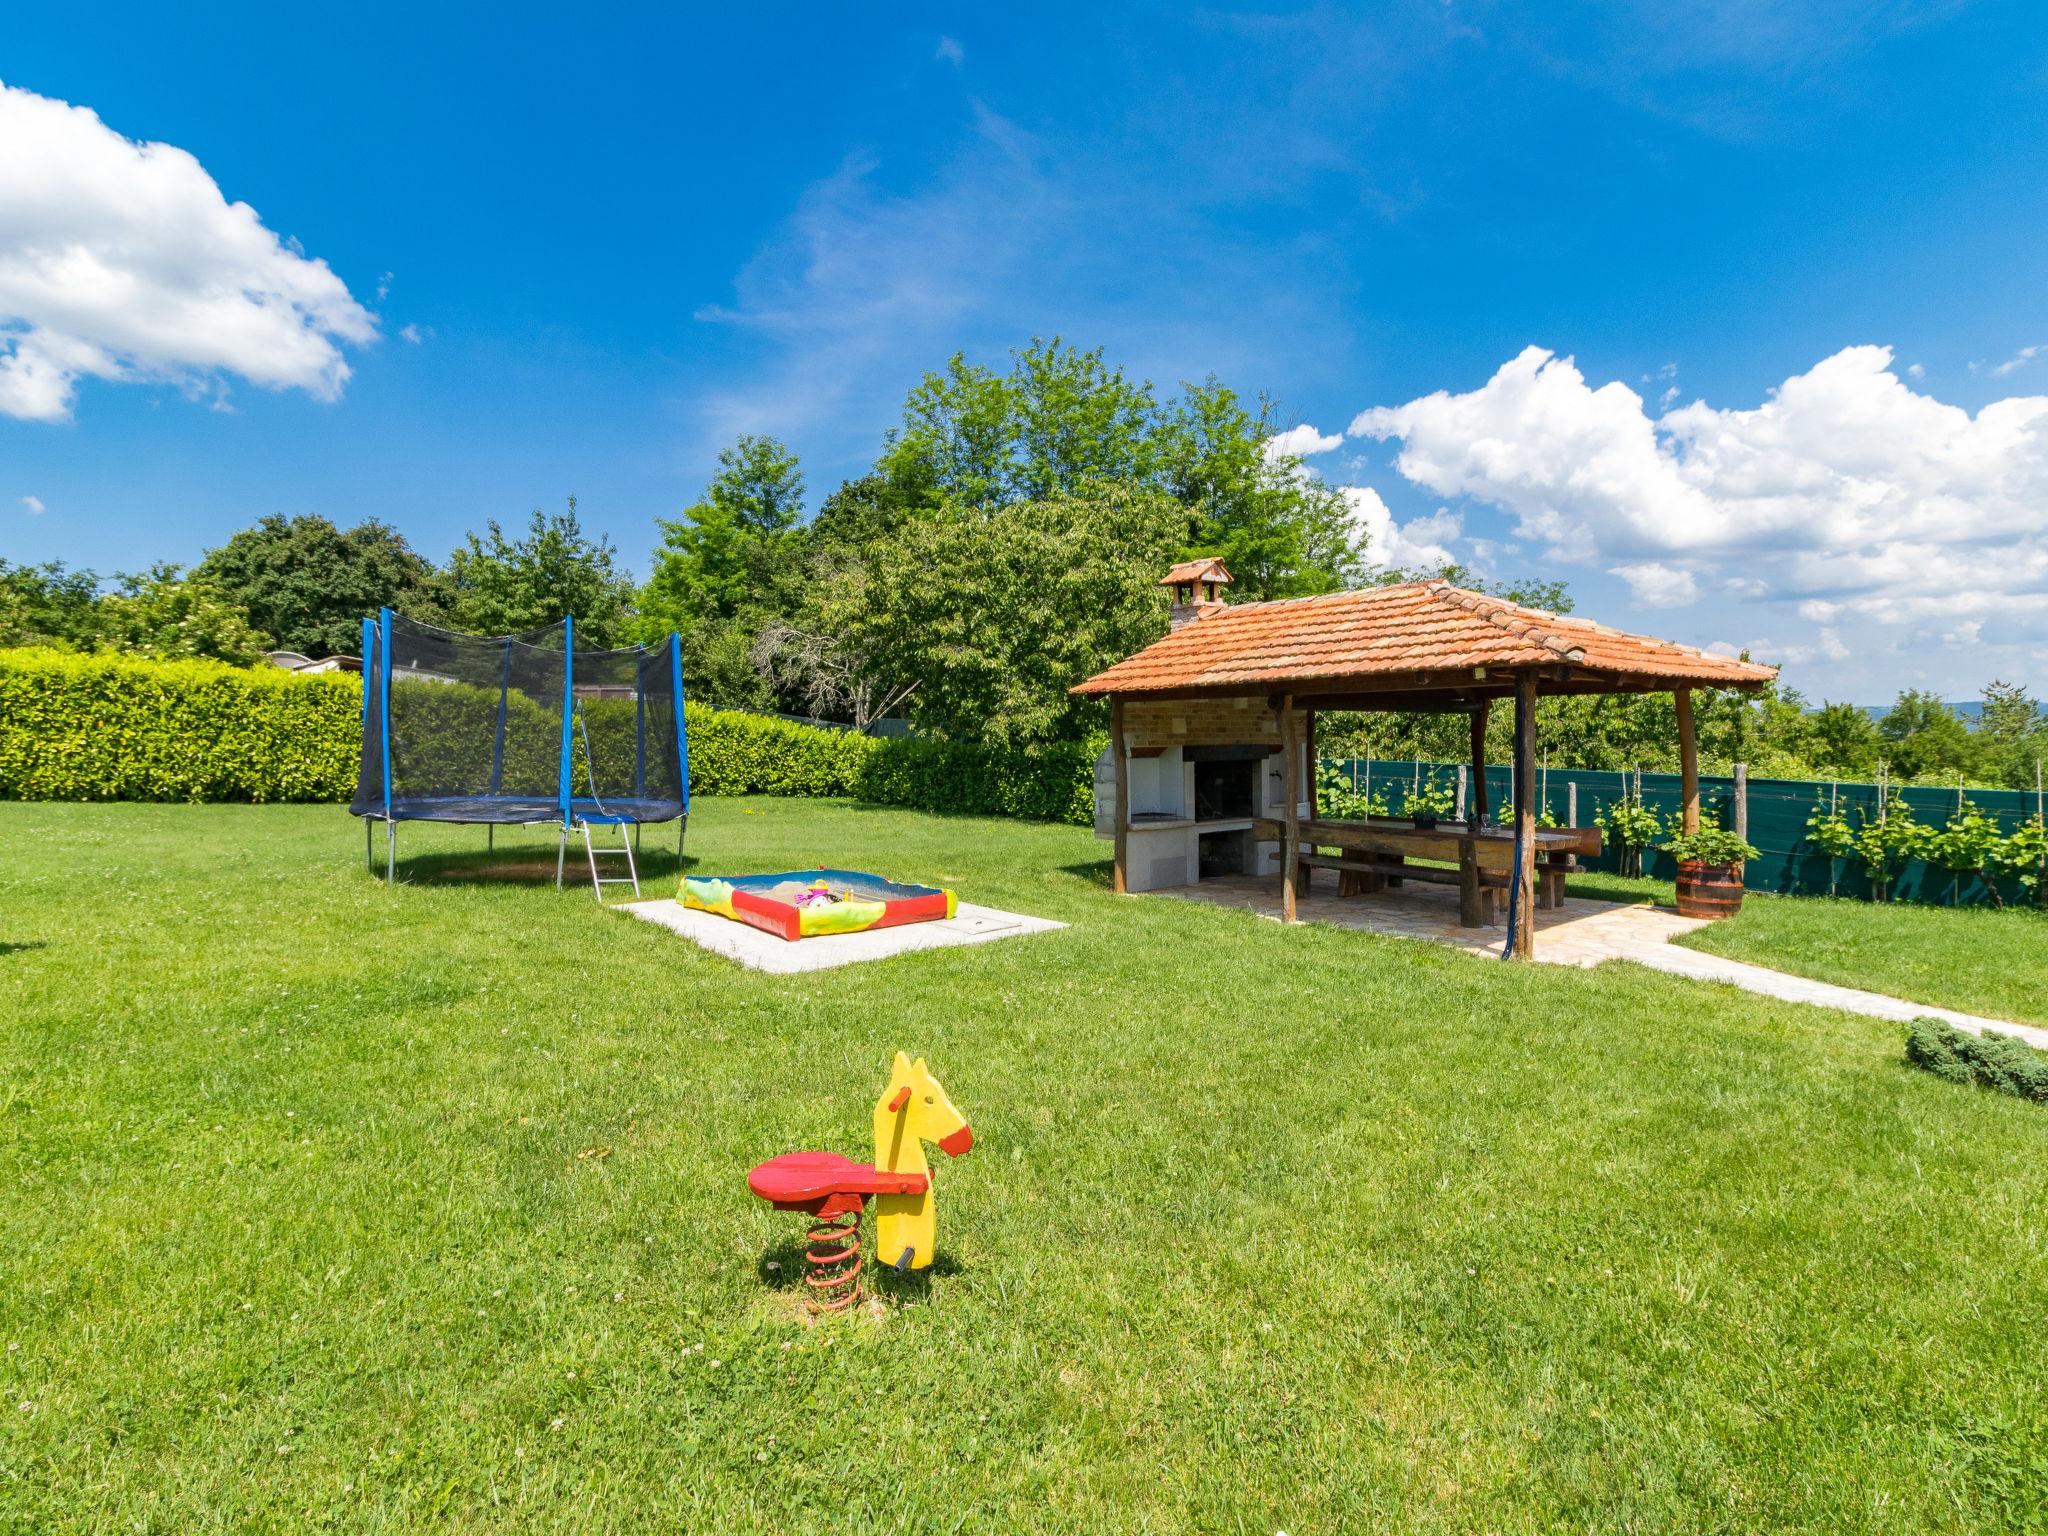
(119, 728)
(1993, 1060)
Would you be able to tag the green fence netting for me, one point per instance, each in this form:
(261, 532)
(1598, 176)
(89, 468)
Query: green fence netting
(1778, 811)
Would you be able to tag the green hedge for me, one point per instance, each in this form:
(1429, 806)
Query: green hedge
(1993, 1060)
(120, 728)
(117, 728)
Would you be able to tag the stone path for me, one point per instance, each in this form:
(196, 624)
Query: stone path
(1582, 933)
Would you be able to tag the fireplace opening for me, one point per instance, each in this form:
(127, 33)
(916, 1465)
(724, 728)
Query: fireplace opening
(1223, 791)
(1222, 853)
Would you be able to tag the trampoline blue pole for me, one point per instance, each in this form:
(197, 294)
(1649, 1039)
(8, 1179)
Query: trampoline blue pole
(384, 701)
(369, 667)
(568, 708)
(675, 662)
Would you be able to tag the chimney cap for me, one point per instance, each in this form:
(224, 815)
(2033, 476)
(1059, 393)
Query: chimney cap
(1189, 572)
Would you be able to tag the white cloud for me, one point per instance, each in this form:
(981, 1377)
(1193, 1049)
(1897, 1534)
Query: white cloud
(1969, 632)
(415, 334)
(1656, 585)
(1817, 610)
(1845, 486)
(1300, 442)
(34, 504)
(1916, 370)
(949, 49)
(2016, 362)
(1418, 544)
(122, 261)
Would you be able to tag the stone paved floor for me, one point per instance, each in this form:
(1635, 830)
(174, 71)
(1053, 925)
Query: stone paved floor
(1581, 933)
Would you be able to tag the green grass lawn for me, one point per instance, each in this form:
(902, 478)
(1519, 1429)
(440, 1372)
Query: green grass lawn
(1263, 1228)
(1972, 958)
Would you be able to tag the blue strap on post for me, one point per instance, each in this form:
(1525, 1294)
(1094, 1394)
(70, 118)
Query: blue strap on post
(384, 708)
(568, 710)
(1514, 894)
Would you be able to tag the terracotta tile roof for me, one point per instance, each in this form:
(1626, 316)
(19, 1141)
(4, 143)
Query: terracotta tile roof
(1415, 627)
(1195, 570)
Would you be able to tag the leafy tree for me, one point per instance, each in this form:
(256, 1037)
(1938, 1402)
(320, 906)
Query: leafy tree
(2012, 734)
(47, 605)
(308, 584)
(504, 586)
(1061, 421)
(1924, 738)
(1841, 739)
(161, 614)
(1278, 528)
(991, 622)
(731, 561)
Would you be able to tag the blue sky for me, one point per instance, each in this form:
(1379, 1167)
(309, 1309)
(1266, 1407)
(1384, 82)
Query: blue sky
(575, 256)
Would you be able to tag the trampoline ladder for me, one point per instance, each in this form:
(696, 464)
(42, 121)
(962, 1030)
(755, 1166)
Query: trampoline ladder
(625, 849)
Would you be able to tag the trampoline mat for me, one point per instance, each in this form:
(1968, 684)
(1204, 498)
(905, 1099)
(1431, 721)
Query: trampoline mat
(513, 810)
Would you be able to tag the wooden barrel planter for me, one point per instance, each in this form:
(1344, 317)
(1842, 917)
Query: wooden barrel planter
(1709, 890)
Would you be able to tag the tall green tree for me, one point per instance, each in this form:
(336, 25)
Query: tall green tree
(48, 605)
(309, 584)
(1061, 421)
(500, 585)
(986, 624)
(731, 561)
(1924, 738)
(2012, 734)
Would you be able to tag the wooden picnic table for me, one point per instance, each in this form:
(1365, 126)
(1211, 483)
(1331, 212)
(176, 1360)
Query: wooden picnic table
(1374, 854)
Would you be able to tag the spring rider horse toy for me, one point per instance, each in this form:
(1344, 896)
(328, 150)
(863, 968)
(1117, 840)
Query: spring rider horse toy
(834, 1190)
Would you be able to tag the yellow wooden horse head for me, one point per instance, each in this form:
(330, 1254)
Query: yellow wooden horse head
(912, 1110)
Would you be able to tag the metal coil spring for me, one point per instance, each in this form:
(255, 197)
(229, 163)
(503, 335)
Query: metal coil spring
(832, 1249)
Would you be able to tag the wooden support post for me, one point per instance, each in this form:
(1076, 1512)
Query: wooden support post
(1688, 762)
(1290, 772)
(1120, 763)
(1525, 815)
(1478, 801)
(1471, 900)
(1742, 801)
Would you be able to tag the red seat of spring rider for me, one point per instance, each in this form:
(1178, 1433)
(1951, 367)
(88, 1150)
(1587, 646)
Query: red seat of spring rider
(802, 1181)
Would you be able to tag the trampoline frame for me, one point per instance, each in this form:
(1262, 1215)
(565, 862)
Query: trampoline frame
(377, 639)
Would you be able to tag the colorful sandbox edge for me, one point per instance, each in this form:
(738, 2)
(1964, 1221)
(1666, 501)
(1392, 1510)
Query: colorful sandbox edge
(832, 901)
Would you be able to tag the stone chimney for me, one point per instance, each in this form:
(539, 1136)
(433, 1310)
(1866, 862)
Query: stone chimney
(1186, 579)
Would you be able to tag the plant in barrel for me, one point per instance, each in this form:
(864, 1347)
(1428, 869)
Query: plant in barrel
(2023, 858)
(1709, 871)
(1828, 829)
(1885, 841)
(1963, 847)
(1631, 826)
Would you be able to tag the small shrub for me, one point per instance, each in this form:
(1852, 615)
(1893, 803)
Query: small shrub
(1992, 1060)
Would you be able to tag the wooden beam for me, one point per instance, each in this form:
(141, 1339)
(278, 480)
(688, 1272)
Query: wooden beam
(1478, 800)
(1688, 761)
(1120, 762)
(1525, 816)
(1290, 776)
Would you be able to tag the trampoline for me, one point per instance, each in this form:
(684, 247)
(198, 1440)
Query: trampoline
(520, 730)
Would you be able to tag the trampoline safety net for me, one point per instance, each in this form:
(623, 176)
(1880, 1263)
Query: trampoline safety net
(518, 728)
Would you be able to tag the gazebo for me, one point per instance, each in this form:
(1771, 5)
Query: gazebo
(1262, 671)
